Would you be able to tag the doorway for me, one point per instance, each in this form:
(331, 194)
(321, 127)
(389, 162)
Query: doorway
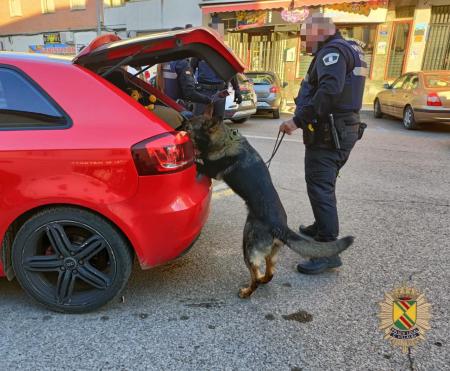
(399, 49)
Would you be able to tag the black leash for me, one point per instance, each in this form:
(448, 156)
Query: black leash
(275, 148)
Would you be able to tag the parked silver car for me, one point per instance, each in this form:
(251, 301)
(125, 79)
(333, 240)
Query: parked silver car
(269, 91)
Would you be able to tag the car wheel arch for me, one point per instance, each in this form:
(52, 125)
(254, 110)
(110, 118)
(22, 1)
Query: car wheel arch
(10, 234)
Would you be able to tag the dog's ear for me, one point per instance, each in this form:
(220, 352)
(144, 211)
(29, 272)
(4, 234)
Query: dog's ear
(209, 110)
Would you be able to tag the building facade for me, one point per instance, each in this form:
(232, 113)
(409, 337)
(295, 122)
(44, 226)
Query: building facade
(146, 16)
(47, 26)
(66, 26)
(397, 36)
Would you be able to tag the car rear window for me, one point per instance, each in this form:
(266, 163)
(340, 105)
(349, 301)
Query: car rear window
(437, 81)
(23, 105)
(261, 79)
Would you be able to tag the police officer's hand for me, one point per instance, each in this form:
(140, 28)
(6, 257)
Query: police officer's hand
(288, 127)
(238, 97)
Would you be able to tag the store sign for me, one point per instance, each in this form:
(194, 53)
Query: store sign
(52, 38)
(60, 49)
(251, 18)
(362, 8)
(419, 32)
(294, 15)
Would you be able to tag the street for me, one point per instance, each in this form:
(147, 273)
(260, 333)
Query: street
(394, 196)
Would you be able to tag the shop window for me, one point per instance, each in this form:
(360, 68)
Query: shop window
(437, 50)
(77, 4)
(15, 8)
(113, 3)
(398, 51)
(404, 11)
(364, 35)
(48, 6)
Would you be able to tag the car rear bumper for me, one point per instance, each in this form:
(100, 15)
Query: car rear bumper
(166, 215)
(438, 114)
(269, 103)
(237, 112)
(236, 115)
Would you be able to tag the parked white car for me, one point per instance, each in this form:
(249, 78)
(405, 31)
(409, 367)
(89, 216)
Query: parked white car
(239, 113)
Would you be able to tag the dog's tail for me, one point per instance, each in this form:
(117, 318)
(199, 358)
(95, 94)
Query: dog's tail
(309, 248)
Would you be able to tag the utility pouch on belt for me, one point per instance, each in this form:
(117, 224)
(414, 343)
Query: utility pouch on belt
(309, 133)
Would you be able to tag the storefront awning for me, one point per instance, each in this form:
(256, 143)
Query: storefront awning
(222, 7)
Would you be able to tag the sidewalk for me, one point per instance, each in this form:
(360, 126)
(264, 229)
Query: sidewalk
(290, 108)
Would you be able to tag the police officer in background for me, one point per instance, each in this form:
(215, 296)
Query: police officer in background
(327, 109)
(209, 83)
(179, 83)
(176, 80)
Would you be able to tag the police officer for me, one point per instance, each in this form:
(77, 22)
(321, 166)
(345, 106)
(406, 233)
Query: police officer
(179, 83)
(327, 109)
(209, 83)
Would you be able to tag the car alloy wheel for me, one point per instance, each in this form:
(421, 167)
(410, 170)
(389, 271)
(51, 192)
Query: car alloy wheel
(68, 264)
(408, 118)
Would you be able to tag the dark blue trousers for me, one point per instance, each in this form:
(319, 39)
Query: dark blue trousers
(322, 166)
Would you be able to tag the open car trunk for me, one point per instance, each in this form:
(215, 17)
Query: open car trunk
(109, 50)
(108, 53)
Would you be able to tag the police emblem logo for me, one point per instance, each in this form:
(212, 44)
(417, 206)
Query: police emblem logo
(404, 317)
(330, 58)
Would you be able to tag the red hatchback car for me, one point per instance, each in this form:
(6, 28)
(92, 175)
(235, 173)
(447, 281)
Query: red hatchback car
(88, 176)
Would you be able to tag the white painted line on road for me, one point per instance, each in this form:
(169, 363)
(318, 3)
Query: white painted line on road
(221, 194)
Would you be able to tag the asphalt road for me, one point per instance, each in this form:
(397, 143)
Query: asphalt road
(394, 195)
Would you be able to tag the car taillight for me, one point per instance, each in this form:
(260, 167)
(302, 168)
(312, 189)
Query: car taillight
(163, 154)
(274, 89)
(433, 100)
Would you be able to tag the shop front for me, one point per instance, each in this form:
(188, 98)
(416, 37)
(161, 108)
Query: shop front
(266, 37)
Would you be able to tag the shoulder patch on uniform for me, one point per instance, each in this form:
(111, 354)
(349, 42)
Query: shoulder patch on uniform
(330, 58)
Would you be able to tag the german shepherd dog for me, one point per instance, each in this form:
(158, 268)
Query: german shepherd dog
(222, 153)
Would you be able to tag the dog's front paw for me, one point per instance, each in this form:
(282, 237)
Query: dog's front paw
(245, 292)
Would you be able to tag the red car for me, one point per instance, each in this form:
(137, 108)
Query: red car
(89, 177)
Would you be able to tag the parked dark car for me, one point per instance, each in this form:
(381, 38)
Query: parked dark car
(239, 113)
(269, 91)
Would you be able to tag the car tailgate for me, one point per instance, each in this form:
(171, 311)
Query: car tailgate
(110, 51)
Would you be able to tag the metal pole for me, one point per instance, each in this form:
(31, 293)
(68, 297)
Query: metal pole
(99, 5)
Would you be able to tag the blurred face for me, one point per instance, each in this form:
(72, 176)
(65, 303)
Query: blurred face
(314, 31)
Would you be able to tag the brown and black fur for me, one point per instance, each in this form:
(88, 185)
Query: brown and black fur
(224, 154)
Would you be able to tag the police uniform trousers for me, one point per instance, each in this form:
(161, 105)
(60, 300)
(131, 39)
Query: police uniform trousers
(219, 104)
(322, 164)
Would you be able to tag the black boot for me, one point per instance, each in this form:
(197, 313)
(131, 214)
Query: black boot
(319, 265)
(310, 230)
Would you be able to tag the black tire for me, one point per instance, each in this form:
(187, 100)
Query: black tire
(409, 122)
(71, 260)
(276, 114)
(239, 121)
(377, 113)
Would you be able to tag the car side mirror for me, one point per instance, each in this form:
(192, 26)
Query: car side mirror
(387, 86)
(285, 84)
